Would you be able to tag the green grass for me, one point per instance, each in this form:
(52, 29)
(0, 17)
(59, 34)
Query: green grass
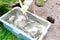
(7, 1)
(5, 6)
(3, 9)
(4, 33)
(39, 2)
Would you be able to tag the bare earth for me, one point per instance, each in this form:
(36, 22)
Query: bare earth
(51, 8)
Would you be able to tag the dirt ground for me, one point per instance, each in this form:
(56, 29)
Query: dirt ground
(51, 8)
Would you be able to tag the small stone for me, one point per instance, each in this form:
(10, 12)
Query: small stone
(45, 0)
(59, 16)
(50, 19)
(58, 3)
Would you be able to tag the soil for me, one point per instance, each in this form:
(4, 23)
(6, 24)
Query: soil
(51, 8)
